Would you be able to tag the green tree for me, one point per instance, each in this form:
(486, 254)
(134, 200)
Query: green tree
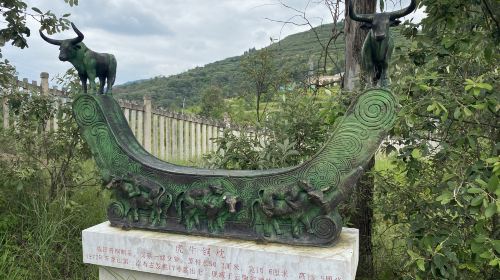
(442, 192)
(212, 102)
(361, 212)
(15, 30)
(262, 76)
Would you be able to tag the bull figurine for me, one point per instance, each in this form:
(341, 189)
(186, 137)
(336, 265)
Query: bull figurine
(378, 45)
(88, 64)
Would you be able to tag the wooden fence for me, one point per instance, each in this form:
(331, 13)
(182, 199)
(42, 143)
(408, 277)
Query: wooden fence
(165, 134)
(172, 136)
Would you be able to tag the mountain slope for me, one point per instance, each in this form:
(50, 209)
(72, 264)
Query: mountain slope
(297, 53)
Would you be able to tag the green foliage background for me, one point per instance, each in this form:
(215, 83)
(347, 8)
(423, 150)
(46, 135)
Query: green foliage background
(49, 193)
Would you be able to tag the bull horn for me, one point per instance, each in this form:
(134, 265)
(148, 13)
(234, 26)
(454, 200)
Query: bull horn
(49, 40)
(403, 12)
(368, 18)
(80, 35)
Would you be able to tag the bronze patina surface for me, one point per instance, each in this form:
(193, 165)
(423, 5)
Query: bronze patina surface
(378, 45)
(88, 64)
(296, 205)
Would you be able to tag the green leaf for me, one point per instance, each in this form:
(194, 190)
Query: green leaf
(491, 210)
(467, 112)
(469, 266)
(475, 190)
(476, 201)
(421, 264)
(486, 255)
(493, 183)
(36, 10)
(496, 245)
(457, 113)
(492, 160)
(485, 86)
(448, 176)
(481, 182)
(413, 255)
(480, 239)
(445, 198)
(416, 153)
(477, 247)
(479, 106)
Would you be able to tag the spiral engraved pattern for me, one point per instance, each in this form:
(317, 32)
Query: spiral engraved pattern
(323, 175)
(323, 227)
(354, 128)
(375, 109)
(347, 144)
(86, 113)
(106, 148)
(116, 210)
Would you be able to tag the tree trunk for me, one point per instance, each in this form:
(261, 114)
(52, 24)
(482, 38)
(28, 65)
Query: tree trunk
(354, 38)
(362, 218)
(362, 215)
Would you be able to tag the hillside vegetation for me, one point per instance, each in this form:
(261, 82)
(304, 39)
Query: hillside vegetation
(296, 54)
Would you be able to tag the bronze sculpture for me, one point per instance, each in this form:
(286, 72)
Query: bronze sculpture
(88, 64)
(378, 45)
(296, 205)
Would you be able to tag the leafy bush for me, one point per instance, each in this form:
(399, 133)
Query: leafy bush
(48, 193)
(441, 194)
(283, 137)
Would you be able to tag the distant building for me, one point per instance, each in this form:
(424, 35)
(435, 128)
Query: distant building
(325, 80)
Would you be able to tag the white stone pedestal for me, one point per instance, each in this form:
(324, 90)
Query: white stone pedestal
(139, 254)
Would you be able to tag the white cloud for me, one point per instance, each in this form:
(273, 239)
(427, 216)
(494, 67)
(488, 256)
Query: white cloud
(151, 38)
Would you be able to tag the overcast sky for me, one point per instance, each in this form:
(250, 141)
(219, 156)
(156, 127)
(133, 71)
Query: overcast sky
(151, 38)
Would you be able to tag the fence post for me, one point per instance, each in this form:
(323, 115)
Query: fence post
(148, 108)
(180, 130)
(168, 138)
(174, 137)
(162, 137)
(215, 135)
(187, 141)
(155, 135)
(133, 121)
(203, 139)
(126, 113)
(198, 139)
(25, 85)
(5, 105)
(193, 138)
(209, 138)
(44, 85)
(140, 127)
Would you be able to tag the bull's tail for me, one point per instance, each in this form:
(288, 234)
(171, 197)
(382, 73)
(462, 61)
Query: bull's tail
(111, 73)
(160, 196)
(253, 214)
(178, 205)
